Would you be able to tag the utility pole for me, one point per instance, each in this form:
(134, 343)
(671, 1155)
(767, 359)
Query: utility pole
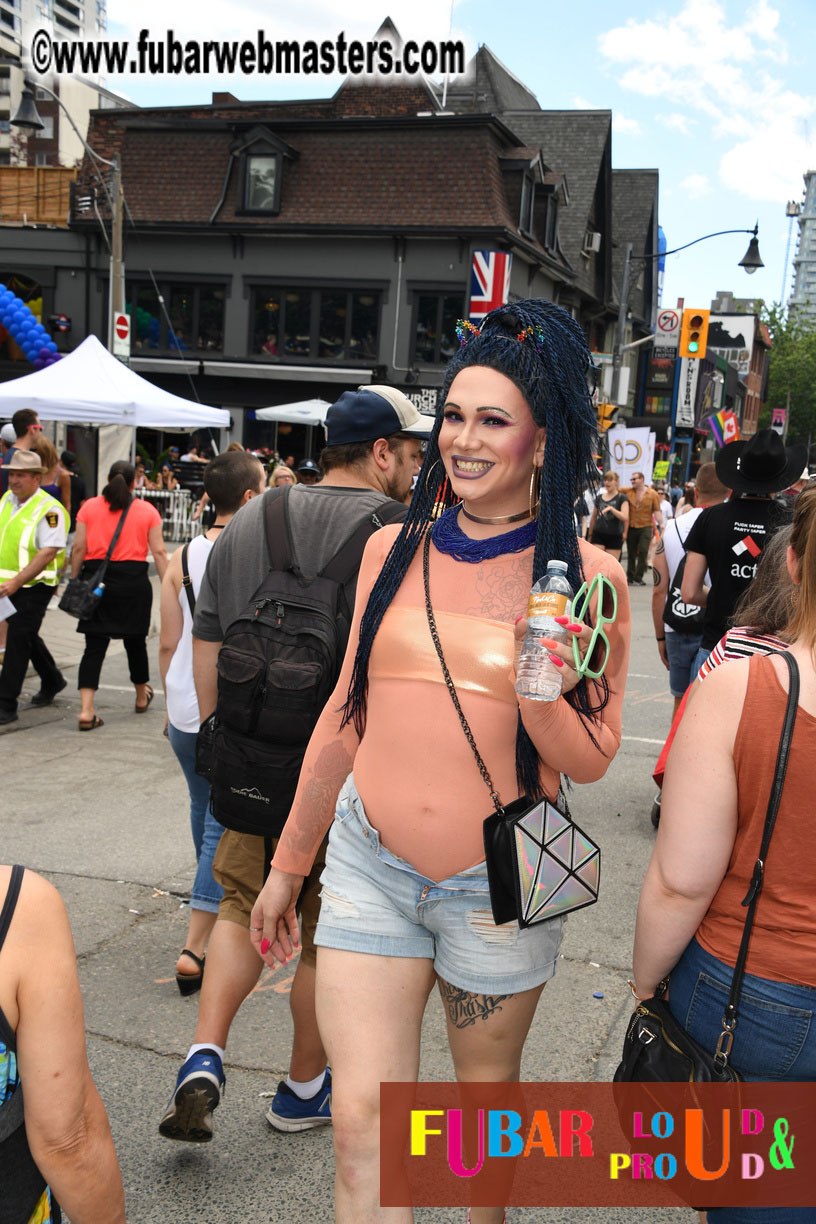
(116, 294)
(620, 329)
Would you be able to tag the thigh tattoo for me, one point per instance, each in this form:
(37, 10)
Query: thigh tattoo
(464, 1008)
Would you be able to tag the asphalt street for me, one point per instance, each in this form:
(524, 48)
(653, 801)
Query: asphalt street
(104, 816)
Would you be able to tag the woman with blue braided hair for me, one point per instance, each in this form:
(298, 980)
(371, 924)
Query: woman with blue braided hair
(405, 898)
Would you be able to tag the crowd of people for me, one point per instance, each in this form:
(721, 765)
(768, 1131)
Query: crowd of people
(424, 536)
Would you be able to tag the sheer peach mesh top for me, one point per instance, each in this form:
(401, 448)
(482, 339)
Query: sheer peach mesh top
(413, 767)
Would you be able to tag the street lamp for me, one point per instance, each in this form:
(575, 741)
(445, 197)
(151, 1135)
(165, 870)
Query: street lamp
(28, 119)
(750, 262)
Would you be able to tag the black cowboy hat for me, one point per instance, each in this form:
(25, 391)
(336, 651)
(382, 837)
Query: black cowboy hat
(762, 464)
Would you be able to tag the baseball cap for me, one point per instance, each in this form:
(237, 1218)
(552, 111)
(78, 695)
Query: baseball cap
(373, 412)
(308, 465)
(9, 434)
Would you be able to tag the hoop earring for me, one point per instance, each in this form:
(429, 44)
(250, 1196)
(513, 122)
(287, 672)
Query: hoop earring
(428, 474)
(535, 490)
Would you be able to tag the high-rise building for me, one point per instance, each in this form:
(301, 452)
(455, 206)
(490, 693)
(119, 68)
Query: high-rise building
(57, 144)
(803, 297)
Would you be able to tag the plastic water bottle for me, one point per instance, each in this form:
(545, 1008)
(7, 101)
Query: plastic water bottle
(537, 678)
(99, 590)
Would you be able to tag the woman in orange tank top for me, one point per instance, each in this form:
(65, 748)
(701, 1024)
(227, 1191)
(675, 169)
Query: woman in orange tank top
(405, 902)
(715, 797)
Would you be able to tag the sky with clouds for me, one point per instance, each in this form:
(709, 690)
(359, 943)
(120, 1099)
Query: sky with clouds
(719, 95)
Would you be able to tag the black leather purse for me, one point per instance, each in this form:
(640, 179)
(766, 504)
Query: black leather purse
(540, 865)
(656, 1047)
(82, 596)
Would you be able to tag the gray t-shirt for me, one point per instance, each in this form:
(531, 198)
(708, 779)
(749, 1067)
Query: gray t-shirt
(321, 514)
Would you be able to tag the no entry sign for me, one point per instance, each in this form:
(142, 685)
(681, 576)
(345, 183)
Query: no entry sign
(121, 335)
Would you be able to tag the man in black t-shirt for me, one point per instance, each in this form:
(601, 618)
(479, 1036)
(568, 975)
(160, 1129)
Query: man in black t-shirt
(729, 539)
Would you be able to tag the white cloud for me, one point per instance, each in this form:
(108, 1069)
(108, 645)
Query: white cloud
(677, 122)
(725, 78)
(582, 104)
(695, 186)
(623, 125)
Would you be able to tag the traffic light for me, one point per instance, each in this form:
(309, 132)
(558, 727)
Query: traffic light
(606, 416)
(694, 333)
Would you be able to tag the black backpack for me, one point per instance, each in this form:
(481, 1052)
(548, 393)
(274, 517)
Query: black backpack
(277, 666)
(679, 616)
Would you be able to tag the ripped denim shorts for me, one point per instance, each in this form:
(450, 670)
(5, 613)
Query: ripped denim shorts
(376, 903)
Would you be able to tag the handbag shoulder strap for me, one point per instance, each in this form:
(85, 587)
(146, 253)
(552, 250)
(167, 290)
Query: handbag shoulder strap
(186, 580)
(486, 778)
(118, 531)
(755, 887)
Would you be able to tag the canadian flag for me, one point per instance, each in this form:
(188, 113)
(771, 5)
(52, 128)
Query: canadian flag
(746, 544)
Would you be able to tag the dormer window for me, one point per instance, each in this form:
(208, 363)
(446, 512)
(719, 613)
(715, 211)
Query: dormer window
(262, 182)
(262, 157)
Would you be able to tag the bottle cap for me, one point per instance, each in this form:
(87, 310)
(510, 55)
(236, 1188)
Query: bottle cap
(558, 565)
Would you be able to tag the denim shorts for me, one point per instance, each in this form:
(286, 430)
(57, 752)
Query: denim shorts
(376, 903)
(681, 651)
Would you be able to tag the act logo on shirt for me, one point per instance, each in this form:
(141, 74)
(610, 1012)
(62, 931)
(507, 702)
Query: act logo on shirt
(746, 544)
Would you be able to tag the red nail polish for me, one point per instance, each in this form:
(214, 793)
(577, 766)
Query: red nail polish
(264, 947)
(576, 628)
(560, 620)
(518, 618)
(555, 659)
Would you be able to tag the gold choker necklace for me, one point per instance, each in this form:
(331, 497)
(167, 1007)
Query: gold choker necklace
(501, 519)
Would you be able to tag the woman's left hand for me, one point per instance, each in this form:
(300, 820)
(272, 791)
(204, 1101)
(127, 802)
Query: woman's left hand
(560, 652)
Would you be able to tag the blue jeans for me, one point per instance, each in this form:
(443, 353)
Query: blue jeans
(206, 894)
(775, 1039)
(682, 650)
(699, 660)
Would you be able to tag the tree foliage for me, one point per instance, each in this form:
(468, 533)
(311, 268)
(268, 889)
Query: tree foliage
(792, 370)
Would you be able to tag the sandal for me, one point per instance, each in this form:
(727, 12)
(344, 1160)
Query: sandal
(95, 722)
(141, 709)
(189, 983)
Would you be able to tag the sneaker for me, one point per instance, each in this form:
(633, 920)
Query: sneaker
(46, 696)
(200, 1083)
(656, 810)
(289, 1113)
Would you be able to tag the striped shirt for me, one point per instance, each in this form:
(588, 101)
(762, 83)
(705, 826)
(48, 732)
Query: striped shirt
(741, 643)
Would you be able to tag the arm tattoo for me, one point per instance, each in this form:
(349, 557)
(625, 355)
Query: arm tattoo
(657, 578)
(464, 1008)
(660, 547)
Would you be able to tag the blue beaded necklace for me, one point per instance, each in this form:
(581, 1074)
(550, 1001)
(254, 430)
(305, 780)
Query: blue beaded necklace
(448, 537)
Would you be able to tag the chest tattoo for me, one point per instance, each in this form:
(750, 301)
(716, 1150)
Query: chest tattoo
(501, 592)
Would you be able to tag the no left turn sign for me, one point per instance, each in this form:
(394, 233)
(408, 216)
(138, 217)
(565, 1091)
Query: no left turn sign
(668, 321)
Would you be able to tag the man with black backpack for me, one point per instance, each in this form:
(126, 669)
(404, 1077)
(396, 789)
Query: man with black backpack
(270, 630)
(679, 626)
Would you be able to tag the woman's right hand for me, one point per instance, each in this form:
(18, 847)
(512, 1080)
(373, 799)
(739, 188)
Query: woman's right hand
(273, 925)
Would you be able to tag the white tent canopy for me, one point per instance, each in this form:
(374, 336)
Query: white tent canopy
(303, 412)
(91, 386)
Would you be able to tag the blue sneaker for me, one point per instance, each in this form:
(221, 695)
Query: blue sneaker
(198, 1090)
(289, 1113)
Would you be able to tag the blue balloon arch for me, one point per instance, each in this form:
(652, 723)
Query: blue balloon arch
(26, 330)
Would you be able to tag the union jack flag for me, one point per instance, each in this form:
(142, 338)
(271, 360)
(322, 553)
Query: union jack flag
(489, 282)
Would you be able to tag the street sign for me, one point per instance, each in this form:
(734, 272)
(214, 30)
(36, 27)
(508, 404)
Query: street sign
(687, 393)
(667, 333)
(60, 323)
(121, 335)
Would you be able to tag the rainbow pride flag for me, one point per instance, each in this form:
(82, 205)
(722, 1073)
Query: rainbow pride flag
(725, 428)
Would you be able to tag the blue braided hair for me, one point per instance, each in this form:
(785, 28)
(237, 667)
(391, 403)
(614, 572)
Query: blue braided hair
(541, 349)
